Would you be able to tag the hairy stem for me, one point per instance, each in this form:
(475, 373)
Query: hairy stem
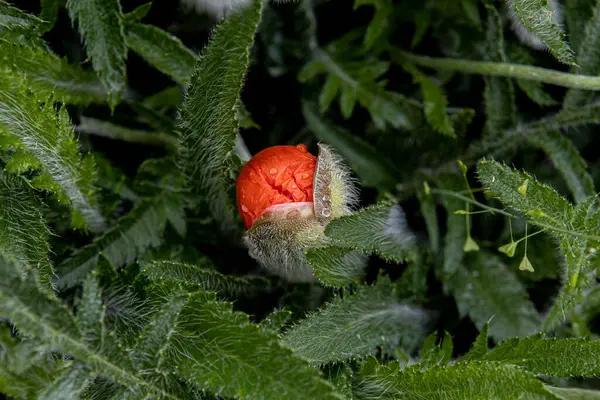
(500, 69)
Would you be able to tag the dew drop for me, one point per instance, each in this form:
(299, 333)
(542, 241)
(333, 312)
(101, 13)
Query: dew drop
(302, 147)
(273, 171)
(294, 186)
(293, 214)
(305, 176)
(244, 208)
(326, 212)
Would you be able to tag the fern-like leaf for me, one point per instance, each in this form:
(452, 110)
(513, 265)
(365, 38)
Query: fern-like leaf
(101, 27)
(208, 125)
(473, 380)
(567, 160)
(549, 356)
(23, 231)
(537, 17)
(488, 290)
(47, 137)
(336, 266)
(380, 229)
(162, 50)
(204, 277)
(136, 232)
(354, 326)
(221, 351)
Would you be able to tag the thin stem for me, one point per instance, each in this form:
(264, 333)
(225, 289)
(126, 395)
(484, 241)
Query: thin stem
(444, 192)
(528, 72)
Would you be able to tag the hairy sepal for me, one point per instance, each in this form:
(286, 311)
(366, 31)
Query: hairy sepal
(335, 193)
(279, 238)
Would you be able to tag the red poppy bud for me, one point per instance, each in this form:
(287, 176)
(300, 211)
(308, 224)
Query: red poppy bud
(276, 175)
(286, 196)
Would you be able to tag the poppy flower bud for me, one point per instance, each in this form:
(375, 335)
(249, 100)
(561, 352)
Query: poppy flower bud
(286, 196)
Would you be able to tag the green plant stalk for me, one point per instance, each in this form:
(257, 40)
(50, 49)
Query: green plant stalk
(444, 192)
(518, 71)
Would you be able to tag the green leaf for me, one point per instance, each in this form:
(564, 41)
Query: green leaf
(433, 354)
(588, 58)
(567, 161)
(101, 27)
(23, 231)
(276, 321)
(536, 16)
(14, 22)
(499, 93)
(354, 326)
(458, 381)
(137, 14)
(329, 92)
(434, 102)
(226, 354)
(456, 231)
(136, 232)
(162, 50)
(363, 159)
(550, 356)
(379, 229)
(208, 128)
(578, 14)
(204, 278)
(90, 313)
(54, 327)
(428, 210)
(487, 289)
(48, 75)
(574, 393)
(109, 130)
(49, 12)
(379, 24)
(68, 385)
(48, 137)
(480, 346)
(336, 266)
(543, 204)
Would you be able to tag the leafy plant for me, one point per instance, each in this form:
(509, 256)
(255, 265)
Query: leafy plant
(468, 267)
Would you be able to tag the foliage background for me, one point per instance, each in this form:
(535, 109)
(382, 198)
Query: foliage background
(399, 124)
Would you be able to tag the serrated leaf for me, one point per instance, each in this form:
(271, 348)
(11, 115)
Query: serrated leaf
(504, 182)
(550, 356)
(336, 266)
(433, 354)
(101, 28)
(380, 229)
(567, 161)
(137, 14)
(49, 12)
(458, 381)
(361, 157)
(54, 327)
(48, 75)
(276, 321)
(220, 350)
(208, 128)
(355, 325)
(499, 93)
(329, 92)
(480, 346)
(434, 103)
(162, 50)
(379, 24)
(48, 137)
(109, 130)
(573, 393)
(588, 58)
(139, 230)
(70, 384)
(23, 231)
(487, 289)
(90, 313)
(578, 13)
(204, 277)
(536, 16)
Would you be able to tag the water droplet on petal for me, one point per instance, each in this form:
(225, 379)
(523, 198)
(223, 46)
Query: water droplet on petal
(273, 171)
(293, 214)
(326, 212)
(302, 147)
(305, 176)
(294, 186)
(244, 208)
